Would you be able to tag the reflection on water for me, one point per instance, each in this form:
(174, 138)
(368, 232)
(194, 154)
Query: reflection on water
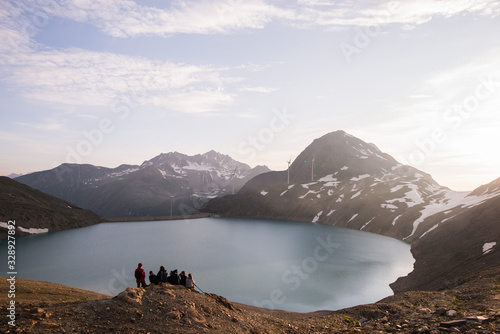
(275, 264)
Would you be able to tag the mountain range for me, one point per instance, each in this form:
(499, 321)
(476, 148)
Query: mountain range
(170, 183)
(338, 180)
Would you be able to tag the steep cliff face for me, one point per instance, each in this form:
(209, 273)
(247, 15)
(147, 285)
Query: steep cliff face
(36, 212)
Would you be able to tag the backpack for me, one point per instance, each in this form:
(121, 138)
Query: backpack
(138, 274)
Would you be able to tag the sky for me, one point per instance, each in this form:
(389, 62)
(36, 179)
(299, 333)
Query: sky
(120, 81)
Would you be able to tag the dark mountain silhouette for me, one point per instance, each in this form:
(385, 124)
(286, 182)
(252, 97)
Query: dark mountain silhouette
(35, 212)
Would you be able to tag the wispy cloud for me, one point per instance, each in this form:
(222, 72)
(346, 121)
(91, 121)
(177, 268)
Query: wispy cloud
(406, 13)
(126, 18)
(76, 76)
(195, 101)
(257, 89)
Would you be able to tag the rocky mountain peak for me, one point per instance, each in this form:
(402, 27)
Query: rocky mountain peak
(340, 154)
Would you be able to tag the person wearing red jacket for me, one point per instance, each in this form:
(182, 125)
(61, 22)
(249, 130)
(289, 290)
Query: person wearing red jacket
(140, 276)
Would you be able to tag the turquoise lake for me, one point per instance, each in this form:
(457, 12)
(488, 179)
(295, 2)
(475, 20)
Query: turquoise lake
(275, 264)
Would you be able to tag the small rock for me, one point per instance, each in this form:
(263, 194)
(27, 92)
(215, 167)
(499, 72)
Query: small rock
(424, 310)
(132, 296)
(440, 311)
(478, 319)
(48, 325)
(454, 323)
(451, 313)
(453, 330)
(174, 315)
(423, 329)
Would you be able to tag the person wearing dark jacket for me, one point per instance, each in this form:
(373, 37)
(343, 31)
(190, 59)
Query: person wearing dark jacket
(174, 278)
(140, 276)
(182, 278)
(152, 278)
(162, 275)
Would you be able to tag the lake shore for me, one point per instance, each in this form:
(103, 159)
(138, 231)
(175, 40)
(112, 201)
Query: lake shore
(150, 218)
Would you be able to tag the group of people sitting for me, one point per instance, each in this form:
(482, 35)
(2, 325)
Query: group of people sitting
(163, 277)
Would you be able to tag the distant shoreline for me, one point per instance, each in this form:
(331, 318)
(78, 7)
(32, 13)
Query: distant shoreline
(149, 218)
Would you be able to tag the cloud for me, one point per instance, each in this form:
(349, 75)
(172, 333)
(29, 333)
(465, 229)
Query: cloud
(80, 77)
(195, 101)
(126, 18)
(76, 76)
(257, 89)
(406, 13)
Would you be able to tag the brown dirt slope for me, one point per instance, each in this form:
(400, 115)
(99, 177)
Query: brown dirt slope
(473, 307)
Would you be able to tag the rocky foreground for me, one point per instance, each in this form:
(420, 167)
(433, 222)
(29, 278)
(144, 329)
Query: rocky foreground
(473, 306)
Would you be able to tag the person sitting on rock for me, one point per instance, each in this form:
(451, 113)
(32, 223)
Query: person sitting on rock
(189, 281)
(174, 278)
(152, 278)
(162, 276)
(140, 276)
(182, 278)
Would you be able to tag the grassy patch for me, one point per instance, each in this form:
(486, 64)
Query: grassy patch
(459, 303)
(348, 319)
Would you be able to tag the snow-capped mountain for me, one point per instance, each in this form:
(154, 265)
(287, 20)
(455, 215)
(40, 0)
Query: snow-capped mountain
(168, 181)
(343, 181)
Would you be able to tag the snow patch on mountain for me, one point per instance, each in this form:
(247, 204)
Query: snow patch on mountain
(364, 176)
(488, 247)
(328, 178)
(316, 218)
(33, 230)
(353, 217)
(356, 194)
(447, 200)
(366, 224)
(163, 173)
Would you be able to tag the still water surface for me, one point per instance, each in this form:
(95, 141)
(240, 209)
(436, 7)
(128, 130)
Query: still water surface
(275, 264)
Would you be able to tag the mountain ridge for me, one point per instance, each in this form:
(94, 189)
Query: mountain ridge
(169, 183)
(334, 178)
